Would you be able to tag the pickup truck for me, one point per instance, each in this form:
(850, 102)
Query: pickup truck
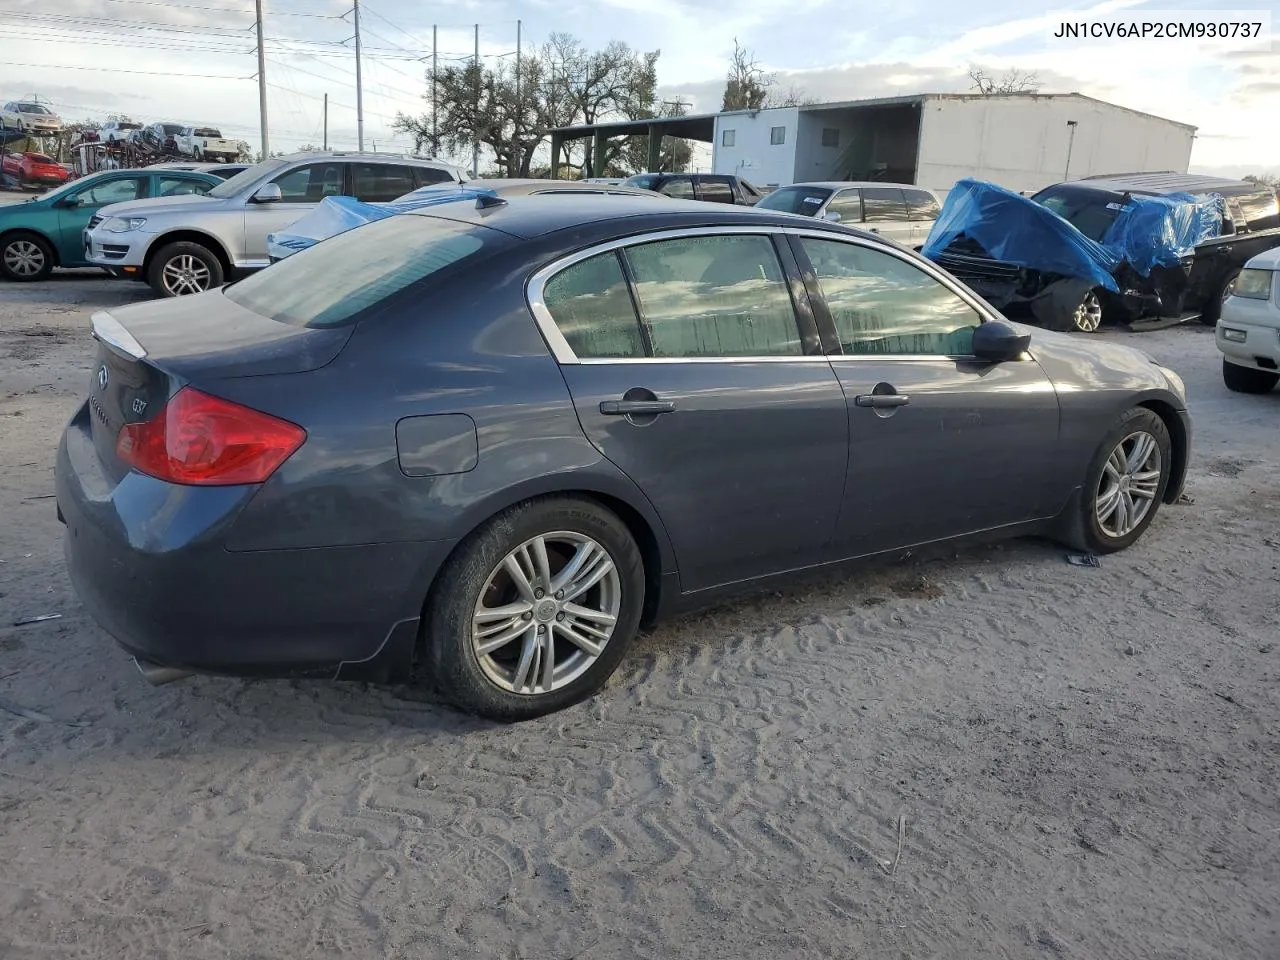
(206, 142)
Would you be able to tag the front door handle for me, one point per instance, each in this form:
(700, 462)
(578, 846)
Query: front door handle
(635, 408)
(882, 400)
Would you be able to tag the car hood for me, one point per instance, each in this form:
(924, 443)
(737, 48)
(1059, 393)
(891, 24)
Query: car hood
(1267, 260)
(178, 205)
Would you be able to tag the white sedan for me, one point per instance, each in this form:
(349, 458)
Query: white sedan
(1249, 328)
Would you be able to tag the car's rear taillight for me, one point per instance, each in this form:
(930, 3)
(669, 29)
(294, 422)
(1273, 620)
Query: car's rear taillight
(204, 440)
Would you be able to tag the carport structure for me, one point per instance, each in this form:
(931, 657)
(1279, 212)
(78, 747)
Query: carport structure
(701, 127)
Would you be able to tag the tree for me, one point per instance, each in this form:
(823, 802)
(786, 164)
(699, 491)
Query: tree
(1264, 180)
(674, 155)
(560, 84)
(747, 84)
(1013, 81)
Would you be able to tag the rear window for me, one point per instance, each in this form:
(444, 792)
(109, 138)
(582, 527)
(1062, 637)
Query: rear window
(208, 132)
(644, 181)
(804, 200)
(342, 279)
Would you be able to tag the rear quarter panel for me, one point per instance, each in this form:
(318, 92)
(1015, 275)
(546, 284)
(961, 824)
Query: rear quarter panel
(470, 350)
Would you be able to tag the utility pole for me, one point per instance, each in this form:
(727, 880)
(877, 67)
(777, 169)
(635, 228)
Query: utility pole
(1071, 142)
(435, 103)
(326, 121)
(262, 85)
(475, 146)
(518, 156)
(359, 87)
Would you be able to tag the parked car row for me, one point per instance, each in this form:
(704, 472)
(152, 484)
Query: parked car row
(197, 142)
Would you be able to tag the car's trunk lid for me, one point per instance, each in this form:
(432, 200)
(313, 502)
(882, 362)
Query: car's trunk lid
(148, 352)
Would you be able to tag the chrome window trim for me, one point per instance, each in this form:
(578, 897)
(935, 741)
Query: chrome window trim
(559, 346)
(563, 353)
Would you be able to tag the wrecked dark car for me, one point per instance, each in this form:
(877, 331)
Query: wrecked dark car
(1125, 247)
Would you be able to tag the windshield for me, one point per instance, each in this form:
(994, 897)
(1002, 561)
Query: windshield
(644, 181)
(343, 279)
(1089, 211)
(171, 128)
(805, 200)
(32, 108)
(246, 177)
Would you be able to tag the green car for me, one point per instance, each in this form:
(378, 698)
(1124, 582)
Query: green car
(48, 231)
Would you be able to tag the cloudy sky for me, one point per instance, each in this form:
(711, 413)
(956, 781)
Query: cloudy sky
(193, 60)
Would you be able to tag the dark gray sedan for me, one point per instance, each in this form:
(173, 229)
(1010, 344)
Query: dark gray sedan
(482, 444)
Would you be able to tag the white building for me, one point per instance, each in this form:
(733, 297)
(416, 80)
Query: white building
(1020, 141)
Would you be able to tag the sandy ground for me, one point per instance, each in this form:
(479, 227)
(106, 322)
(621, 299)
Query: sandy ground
(1077, 763)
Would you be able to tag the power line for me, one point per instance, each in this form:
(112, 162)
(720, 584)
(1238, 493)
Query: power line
(188, 6)
(147, 73)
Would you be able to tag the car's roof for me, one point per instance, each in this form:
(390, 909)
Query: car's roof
(845, 184)
(524, 186)
(535, 216)
(1165, 183)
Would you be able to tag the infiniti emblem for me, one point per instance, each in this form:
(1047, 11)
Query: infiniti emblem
(102, 377)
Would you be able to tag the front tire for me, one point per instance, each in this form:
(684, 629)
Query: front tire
(535, 610)
(25, 257)
(1213, 307)
(1240, 379)
(184, 268)
(1125, 484)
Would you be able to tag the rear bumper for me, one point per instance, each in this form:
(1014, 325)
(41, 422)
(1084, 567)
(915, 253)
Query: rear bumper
(146, 559)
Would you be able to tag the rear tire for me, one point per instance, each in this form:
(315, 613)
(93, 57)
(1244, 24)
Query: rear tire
(25, 257)
(1246, 379)
(542, 629)
(1124, 487)
(184, 268)
(1213, 307)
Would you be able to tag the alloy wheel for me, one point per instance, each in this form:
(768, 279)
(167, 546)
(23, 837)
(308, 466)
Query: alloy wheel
(1088, 315)
(184, 275)
(1229, 288)
(1129, 484)
(23, 258)
(546, 613)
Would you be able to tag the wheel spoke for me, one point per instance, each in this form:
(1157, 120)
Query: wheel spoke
(1143, 445)
(527, 652)
(547, 648)
(570, 570)
(1123, 505)
(1107, 504)
(509, 611)
(510, 631)
(579, 612)
(519, 578)
(588, 646)
(541, 563)
(601, 567)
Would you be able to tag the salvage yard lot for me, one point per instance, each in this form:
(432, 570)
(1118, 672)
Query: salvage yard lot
(996, 754)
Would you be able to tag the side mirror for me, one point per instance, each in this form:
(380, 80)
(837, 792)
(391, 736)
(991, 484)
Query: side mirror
(69, 202)
(997, 341)
(832, 216)
(268, 193)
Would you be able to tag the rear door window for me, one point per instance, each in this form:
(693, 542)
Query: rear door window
(349, 276)
(883, 205)
(381, 182)
(922, 205)
(592, 308)
(311, 183)
(681, 188)
(181, 187)
(715, 191)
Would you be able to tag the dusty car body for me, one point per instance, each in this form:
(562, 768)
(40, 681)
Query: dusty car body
(1128, 247)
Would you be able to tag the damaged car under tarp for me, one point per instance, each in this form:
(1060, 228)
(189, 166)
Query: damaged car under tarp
(1077, 250)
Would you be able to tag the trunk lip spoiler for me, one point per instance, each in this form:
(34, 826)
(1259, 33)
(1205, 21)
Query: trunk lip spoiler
(107, 329)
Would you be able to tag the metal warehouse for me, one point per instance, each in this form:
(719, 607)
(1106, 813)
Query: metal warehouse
(1022, 141)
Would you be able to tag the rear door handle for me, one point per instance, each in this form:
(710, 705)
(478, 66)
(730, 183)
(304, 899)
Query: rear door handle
(882, 400)
(633, 408)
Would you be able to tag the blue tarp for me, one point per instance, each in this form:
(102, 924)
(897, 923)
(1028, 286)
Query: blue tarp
(335, 215)
(1016, 230)
(1159, 231)
(1149, 231)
